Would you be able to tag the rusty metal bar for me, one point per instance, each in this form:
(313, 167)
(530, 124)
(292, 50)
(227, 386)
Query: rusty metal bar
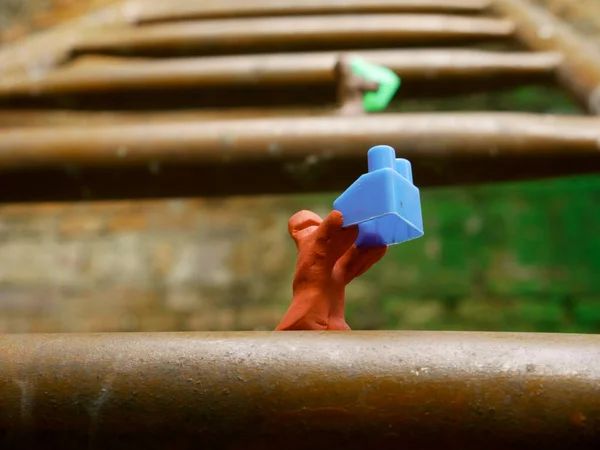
(152, 12)
(445, 135)
(541, 31)
(10, 118)
(264, 390)
(287, 33)
(286, 155)
(101, 74)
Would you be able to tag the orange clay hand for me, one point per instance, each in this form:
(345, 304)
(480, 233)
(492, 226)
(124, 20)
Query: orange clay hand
(327, 261)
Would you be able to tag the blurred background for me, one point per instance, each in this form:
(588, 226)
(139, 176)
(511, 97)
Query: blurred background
(513, 256)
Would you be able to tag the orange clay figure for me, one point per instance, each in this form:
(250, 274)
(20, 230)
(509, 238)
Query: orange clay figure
(328, 260)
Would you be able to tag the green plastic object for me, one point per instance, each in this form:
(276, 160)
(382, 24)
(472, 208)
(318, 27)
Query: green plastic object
(388, 82)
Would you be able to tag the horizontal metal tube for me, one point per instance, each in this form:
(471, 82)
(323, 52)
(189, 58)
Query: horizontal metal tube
(306, 32)
(94, 74)
(351, 390)
(148, 12)
(15, 118)
(171, 156)
(441, 136)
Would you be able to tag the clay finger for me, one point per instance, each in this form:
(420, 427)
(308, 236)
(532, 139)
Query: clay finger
(303, 224)
(358, 260)
(331, 239)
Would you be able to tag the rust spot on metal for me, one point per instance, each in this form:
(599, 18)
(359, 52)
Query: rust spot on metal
(578, 419)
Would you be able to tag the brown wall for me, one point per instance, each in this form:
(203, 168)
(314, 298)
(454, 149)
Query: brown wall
(147, 266)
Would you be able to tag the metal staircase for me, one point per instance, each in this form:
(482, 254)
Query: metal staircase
(156, 99)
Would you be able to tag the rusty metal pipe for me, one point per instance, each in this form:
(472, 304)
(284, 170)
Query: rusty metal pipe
(286, 33)
(152, 12)
(98, 74)
(264, 390)
(173, 158)
(11, 118)
(541, 31)
(430, 136)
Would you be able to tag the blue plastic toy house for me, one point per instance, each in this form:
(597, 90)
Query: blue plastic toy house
(384, 203)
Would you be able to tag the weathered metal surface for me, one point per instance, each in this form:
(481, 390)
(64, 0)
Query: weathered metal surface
(286, 155)
(540, 30)
(98, 74)
(444, 135)
(350, 390)
(287, 33)
(150, 11)
(14, 118)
